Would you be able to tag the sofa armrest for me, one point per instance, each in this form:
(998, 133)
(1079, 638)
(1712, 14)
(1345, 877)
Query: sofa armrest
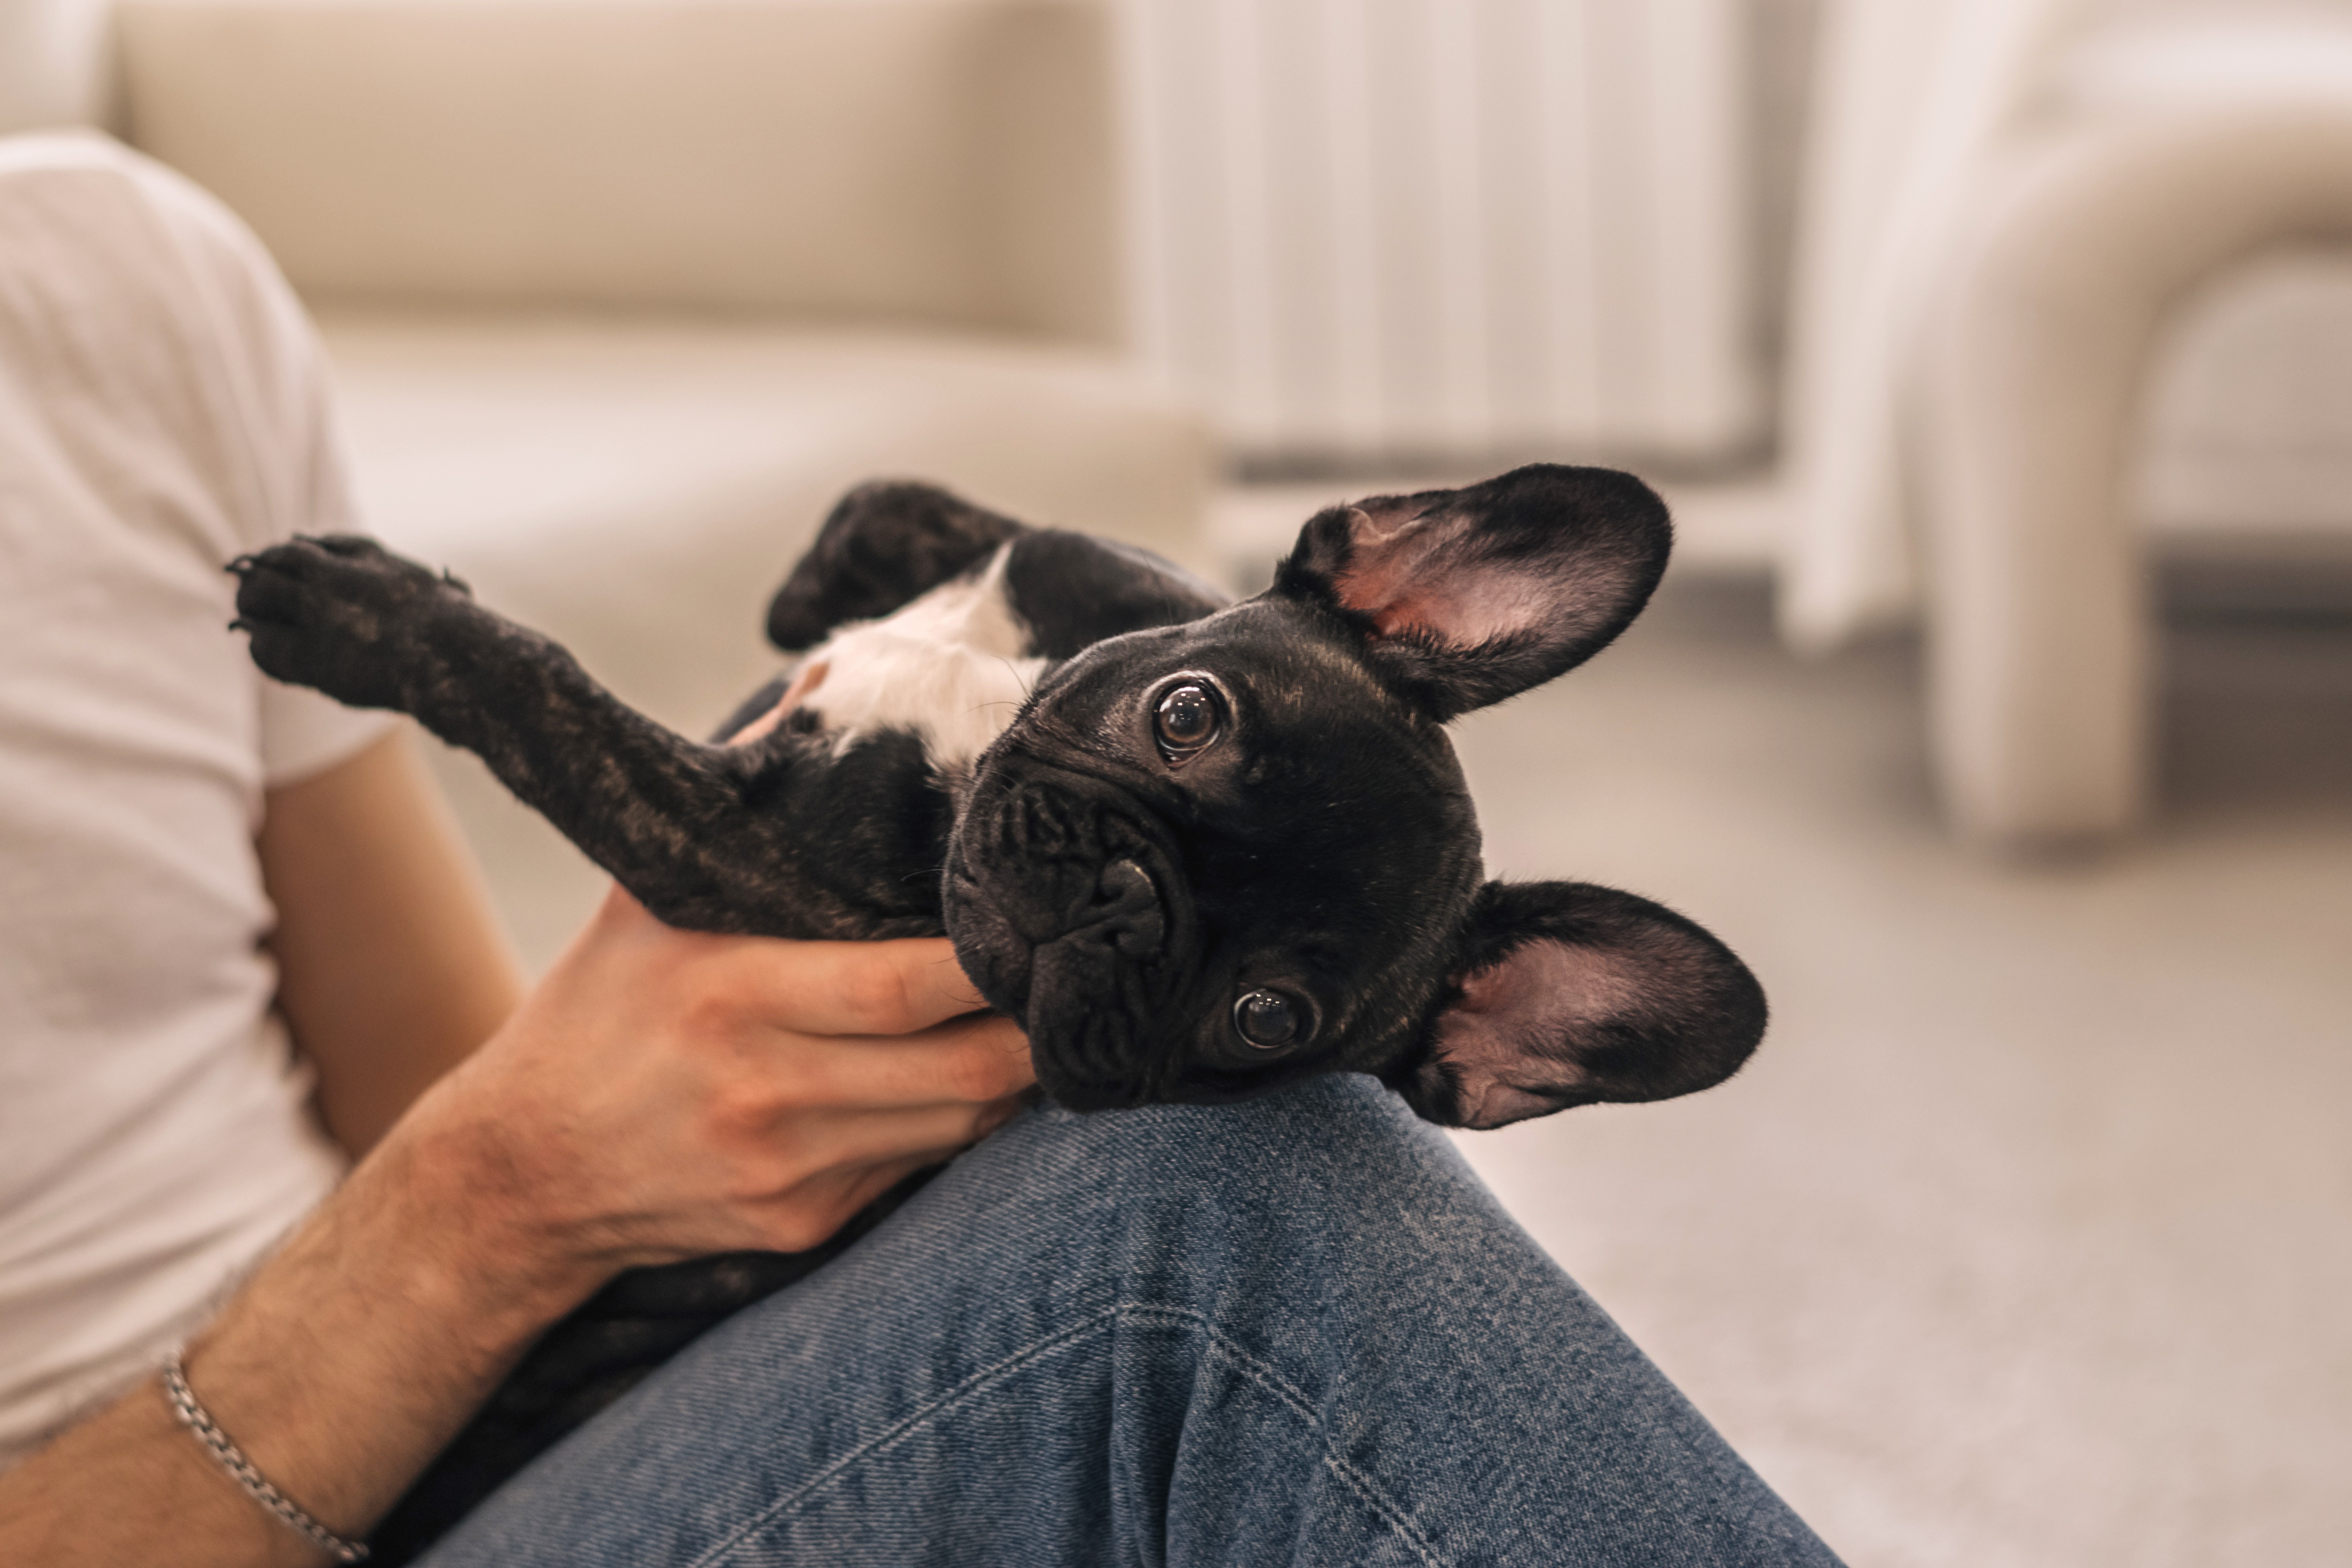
(944, 162)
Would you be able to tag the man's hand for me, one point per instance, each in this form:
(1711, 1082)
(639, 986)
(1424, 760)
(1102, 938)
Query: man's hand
(663, 1094)
(660, 1094)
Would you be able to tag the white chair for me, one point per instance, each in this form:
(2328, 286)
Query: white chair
(2033, 401)
(2093, 178)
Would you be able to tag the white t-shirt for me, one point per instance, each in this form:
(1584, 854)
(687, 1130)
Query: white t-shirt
(163, 409)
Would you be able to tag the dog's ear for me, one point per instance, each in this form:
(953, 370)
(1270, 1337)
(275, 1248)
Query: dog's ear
(1564, 994)
(1467, 596)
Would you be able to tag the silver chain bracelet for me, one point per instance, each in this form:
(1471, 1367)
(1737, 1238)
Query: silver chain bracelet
(197, 1419)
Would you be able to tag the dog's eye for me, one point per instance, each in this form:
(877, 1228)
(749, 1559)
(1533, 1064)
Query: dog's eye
(1186, 721)
(1269, 1020)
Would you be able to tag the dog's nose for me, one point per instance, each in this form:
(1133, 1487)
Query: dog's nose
(1126, 911)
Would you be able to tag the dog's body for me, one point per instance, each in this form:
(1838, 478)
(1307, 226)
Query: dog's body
(1201, 850)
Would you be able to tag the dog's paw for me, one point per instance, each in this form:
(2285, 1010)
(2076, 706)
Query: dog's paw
(342, 614)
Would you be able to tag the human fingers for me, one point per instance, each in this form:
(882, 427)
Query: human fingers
(967, 1060)
(860, 987)
(853, 1140)
(963, 1067)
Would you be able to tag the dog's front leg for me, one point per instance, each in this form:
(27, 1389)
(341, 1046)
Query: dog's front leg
(674, 821)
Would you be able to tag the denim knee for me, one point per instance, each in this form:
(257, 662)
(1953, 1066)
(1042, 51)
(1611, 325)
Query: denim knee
(1295, 1331)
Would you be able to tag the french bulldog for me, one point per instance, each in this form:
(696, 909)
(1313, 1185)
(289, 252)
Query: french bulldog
(1199, 849)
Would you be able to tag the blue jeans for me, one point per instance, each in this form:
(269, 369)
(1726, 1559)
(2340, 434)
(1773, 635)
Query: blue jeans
(1297, 1331)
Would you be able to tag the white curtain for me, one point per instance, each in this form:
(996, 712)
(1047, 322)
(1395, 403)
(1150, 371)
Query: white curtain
(1446, 229)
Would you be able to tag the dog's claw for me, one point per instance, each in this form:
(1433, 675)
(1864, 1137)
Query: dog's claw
(338, 614)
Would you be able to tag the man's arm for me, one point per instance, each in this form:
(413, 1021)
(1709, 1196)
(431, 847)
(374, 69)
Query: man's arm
(661, 1094)
(392, 965)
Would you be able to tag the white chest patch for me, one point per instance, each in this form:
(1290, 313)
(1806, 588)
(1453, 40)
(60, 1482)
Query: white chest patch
(947, 666)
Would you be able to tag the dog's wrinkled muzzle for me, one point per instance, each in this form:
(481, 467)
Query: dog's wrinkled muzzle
(1068, 912)
(1126, 912)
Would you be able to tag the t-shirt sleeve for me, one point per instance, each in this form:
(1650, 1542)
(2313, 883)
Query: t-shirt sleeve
(279, 408)
(304, 734)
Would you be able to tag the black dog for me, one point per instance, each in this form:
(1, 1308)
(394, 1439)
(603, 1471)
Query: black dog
(1199, 850)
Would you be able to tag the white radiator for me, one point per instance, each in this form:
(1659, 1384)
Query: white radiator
(1423, 229)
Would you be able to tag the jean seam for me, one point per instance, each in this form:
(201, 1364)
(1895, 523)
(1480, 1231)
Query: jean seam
(905, 1425)
(1250, 1366)
(1272, 1381)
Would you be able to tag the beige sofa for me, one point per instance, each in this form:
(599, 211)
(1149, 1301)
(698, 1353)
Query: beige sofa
(620, 293)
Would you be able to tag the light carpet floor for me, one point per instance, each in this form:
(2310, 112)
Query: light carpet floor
(2027, 1239)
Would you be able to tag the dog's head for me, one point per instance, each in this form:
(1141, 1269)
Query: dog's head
(1212, 858)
